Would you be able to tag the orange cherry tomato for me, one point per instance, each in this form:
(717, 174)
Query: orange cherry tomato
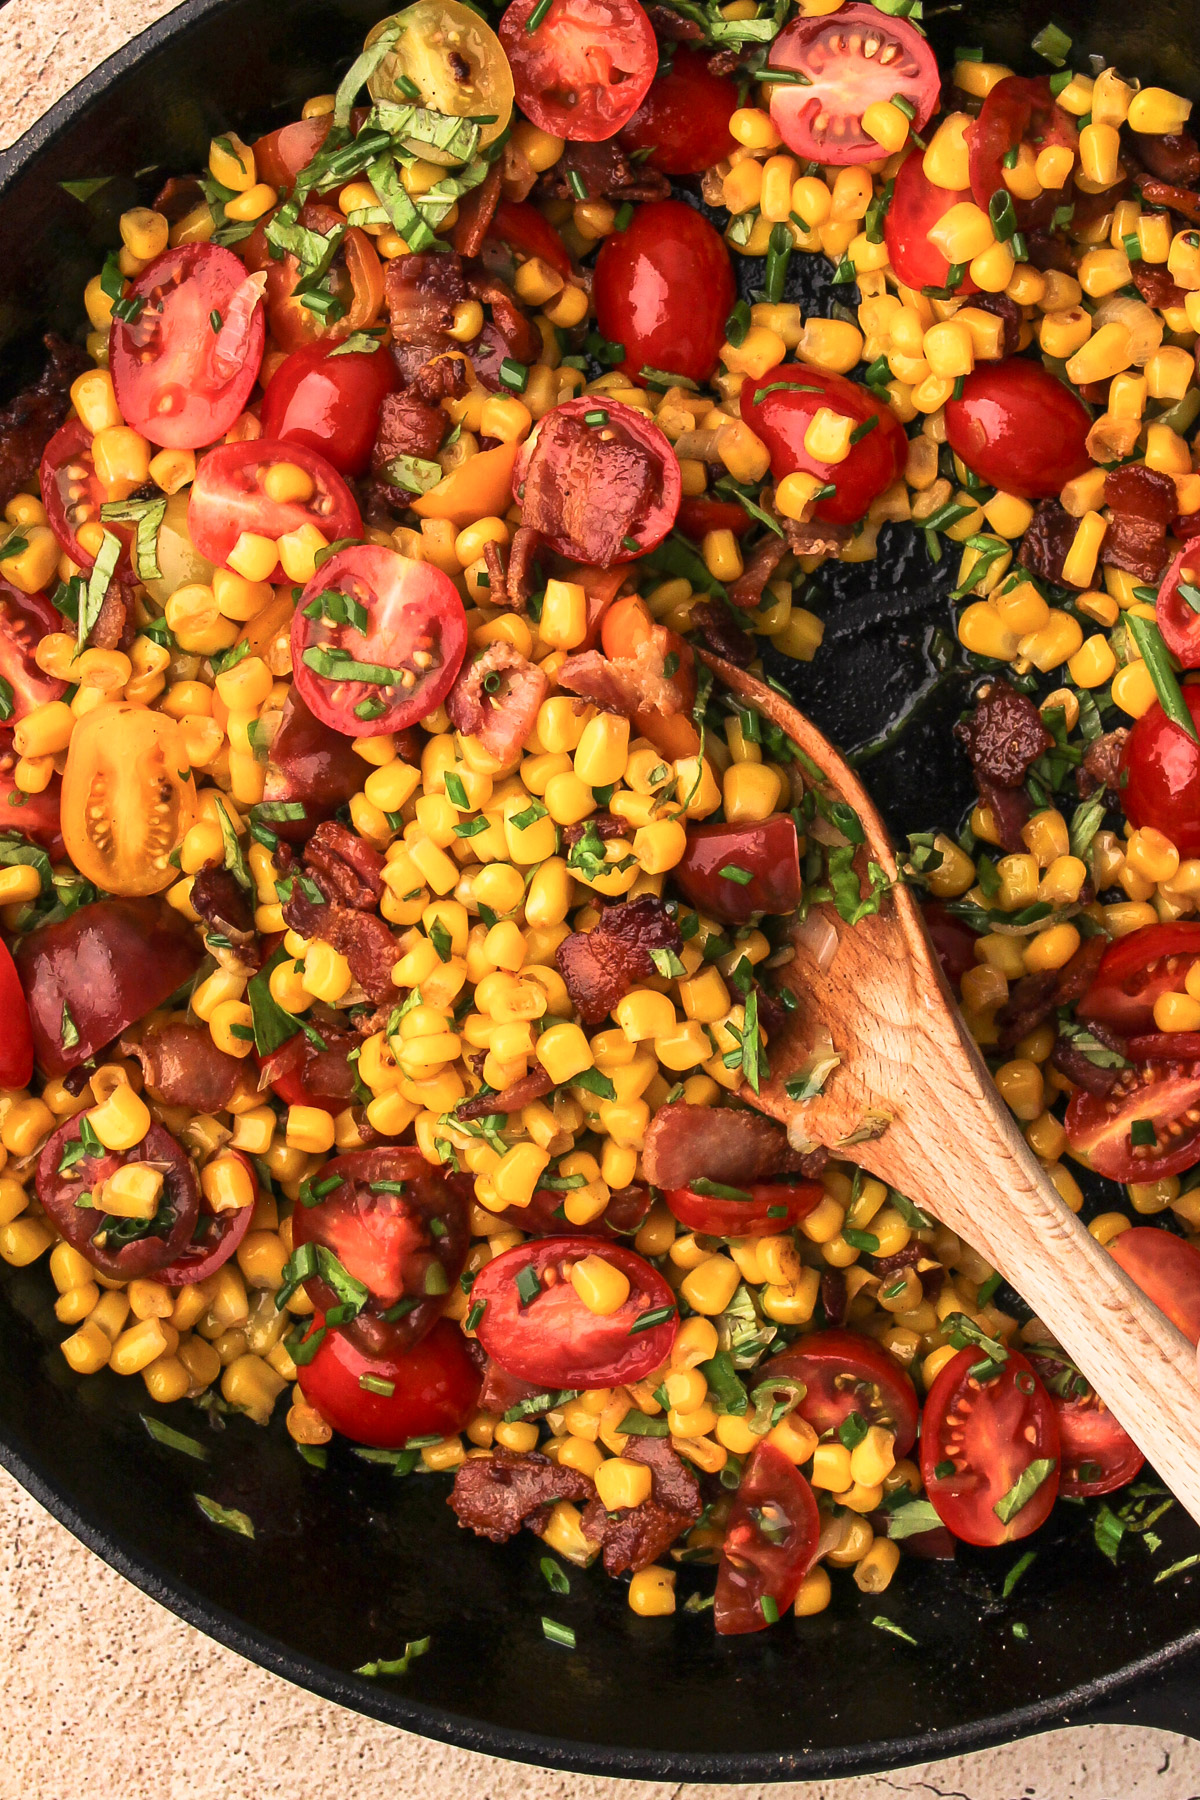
(128, 798)
(630, 634)
(356, 281)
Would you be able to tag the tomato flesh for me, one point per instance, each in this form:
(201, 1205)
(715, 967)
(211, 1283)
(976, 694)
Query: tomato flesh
(1178, 619)
(329, 400)
(770, 1206)
(229, 498)
(781, 405)
(664, 288)
(16, 1044)
(1135, 970)
(1097, 1454)
(768, 852)
(917, 205)
(128, 801)
(24, 620)
(355, 280)
(770, 1544)
(433, 1385)
(991, 1431)
(1160, 1101)
(683, 123)
(73, 494)
(1019, 428)
(121, 1248)
(851, 58)
(1160, 775)
(846, 1373)
(1167, 1270)
(1018, 110)
(630, 634)
(519, 224)
(34, 816)
(585, 69)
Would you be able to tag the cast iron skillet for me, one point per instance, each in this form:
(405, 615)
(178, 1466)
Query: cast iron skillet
(348, 1564)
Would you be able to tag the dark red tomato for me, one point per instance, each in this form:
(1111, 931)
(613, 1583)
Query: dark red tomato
(74, 493)
(109, 964)
(770, 1206)
(1160, 1097)
(1167, 1270)
(917, 205)
(585, 70)
(1135, 970)
(433, 1385)
(365, 681)
(770, 1544)
(35, 816)
(120, 1248)
(664, 288)
(619, 471)
(780, 408)
(952, 938)
(355, 280)
(851, 59)
(1178, 619)
(684, 120)
(310, 765)
(399, 1226)
(991, 1432)
(1019, 428)
(522, 227)
(700, 515)
(330, 400)
(214, 1240)
(184, 368)
(280, 156)
(545, 1217)
(846, 1373)
(228, 498)
(302, 1075)
(16, 1044)
(769, 852)
(1018, 110)
(24, 620)
(1097, 1454)
(553, 1338)
(1160, 775)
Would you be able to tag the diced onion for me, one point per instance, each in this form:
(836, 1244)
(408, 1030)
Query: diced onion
(1141, 321)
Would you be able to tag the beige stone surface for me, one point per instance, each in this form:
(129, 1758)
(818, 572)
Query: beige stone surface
(103, 1692)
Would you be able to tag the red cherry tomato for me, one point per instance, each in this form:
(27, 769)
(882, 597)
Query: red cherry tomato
(1097, 1454)
(410, 608)
(1178, 620)
(628, 633)
(699, 516)
(1135, 970)
(768, 852)
(770, 1206)
(952, 938)
(522, 227)
(605, 491)
(585, 70)
(302, 1075)
(24, 620)
(35, 816)
(16, 1041)
(770, 1544)
(684, 120)
(846, 1373)
(1018, 110)
(229, 498)
(280, 156)
(1019, 428)
(991, 1431)
(1160, 772)
(312, 766)
(73, 494)
(399, 1226)
(355, 280)
(433, 1385)
(1167, 1270)
(552, 1337)
(822, 121)
(329, 399)
(121, 1248)
(214, 1240)
(781, 406)
(917, 205)
(1160, 1097)
(664, 288)
(184, 368)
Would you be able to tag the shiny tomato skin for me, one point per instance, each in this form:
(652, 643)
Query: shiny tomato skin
(1160, 775)
(520, 225)
(659, 515)
(128, 799)
(24, 620)
(781, 419)
(768, 850)
(585, 69)
(73, 494)
(772, 1206)
(302, 1075)
(435, 1385)
(844, 1373)
(1018, 109)
(280, 155)
(1135, 970)
(1097, 1454)
(992, 1431)
(1167, 1270)
(917, 205)
(664, 288)
(684, 120)
(35, 816)
(177, 380)
(1019, 428)
(408, 605)
(1161, 1092)
(59, 1191)
(215, 1241)
(1179, 622)
(228, 498)
(555, 1339)
(773, 1562)
(842, 82)
(16, 1042)
(329, 400)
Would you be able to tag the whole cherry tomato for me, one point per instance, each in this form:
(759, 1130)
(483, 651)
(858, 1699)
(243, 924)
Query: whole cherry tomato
(917, 205)
(781, 405)
(733, 872)
(664, 289)
(329, 398)
(990, 1449)
(427, 1390)
(128, 798)
(683, 123)
(1160, 775)
(1019, 428)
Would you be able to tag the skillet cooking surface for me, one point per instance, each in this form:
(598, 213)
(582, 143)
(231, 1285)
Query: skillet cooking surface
(347, 1564)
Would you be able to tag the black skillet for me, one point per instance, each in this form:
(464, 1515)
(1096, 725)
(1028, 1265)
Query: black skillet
(348, 1564)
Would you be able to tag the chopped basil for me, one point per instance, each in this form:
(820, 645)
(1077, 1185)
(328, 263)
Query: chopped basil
(852, 1430)
(68, 1031)
(554, 1575)
(528, 1285)
(92, 599)
(273, 1026)
(1108, 1531)
(1143, 1135)
(1015, 1573)
(911, 1519)
(148, 516)
(593, 1082)
(890, 1625)
(639, 1424)
(172, 1439)
(415, 474)
(1024, 1488)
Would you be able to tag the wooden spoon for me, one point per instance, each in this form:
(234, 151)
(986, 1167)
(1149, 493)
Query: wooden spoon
(949, 1142)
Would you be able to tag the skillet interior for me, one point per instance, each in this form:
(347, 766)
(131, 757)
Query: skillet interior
(347, 1565)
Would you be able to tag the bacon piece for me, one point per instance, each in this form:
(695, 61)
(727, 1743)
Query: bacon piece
(475, 213)
(1046, 543)
(605, 824)
(587, 488)
(602, 965)
(516, 327)
(1047, 250)
(113, 625)
(606, 172)
(531, 1087)
(1173, 156)
(1011, 808)
(183, 1066)
(1143, 503)
(1180, 200)
(725, 1144)
(1155, 286)
(673, 27)
(522, 571)
(494, 1496)
(361, 937)
(32, 417)
(722, 635)
(636, 1536)
(407, 427)
(1079, 1068)
(421, 294)
(816, 537)
(1035, 997)
(623, 684)
(500, 713)
(747, 590)
(1101, 765)
(223, 904)
(1004, 735)
(344, 866)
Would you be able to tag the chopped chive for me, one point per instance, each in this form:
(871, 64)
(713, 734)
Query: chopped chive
(558, 1634)
(537, 15)
(1149, 641)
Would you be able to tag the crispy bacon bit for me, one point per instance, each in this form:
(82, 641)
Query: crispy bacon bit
(834, 1298)
(531, 1087)
(475, 213)
(517, 329)
(1047, 250)
(1171, 155)
(605, 824)
(496, 699)
(570, 464)
(908, 1258)
(1011, 808)
(815, 537)
(495, 1495)
(747, 590)
(1143, 503)
(606, 172)
(601, 966)
(522, 570)
(422, 293)
(1003, 308)
(407, 427)
(673, 26)
(1155, 286)
(1045, 545)
(347, 872)
(441, 378)
(722, 634)
(623, 684)
(344, 866)
(724, 1144)
(1101, 765)
(113, 625)
(1004, 735)
(1180, 200)
(223, 905)
(1079, 1068)
(183, 1066)
(724, 62)
(636, 1536)
(32, 417)
(1035, 997)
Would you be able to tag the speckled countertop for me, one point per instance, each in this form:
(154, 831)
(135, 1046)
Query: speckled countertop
(102, 1691)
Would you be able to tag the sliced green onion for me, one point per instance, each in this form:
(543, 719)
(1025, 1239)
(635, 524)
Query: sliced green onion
(1149, 641)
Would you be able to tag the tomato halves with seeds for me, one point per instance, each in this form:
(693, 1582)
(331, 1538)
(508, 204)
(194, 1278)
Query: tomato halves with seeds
(781, 406)
(1167, 1270)
(990, 1449)
(24, 620)
(733, 872)
(73, 494)
(1097, 1454)
(770, 1544)
(128, 798)
(1148, 1124)
(583, 67)
(329, 399)
(230, 496)
(377, 641)
(1135, 970)
(383, 1401)
(664, 288)
(1019, 428)
(1160, 775)
(69, 1186)
(536, 1326)
(766, 1206)
(917, 205)
(850, 59)
(683, 123)
(846, 1373)
(1018, 110)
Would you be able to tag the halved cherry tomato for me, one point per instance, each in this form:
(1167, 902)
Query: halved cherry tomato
(1018, 110)
(700, 515)
(1135, 970)
(398, 662)
(520, 225)
(770, 1544)
(684, 120)
(449, 61)
(851, 59)
(991, 1431)
(433, 1385)
(917, 205)
(35, 816)
(302, 1075)
(128, 797)
(228, 498)
(585, 69)
(846, 1373)
(16, 1041)
(599, 482)
(310, 766)
(24, 620)
(551, 1336)
(664, 288)
(1178, 619)
(1019, 428)
(780, 407)
(952, 938)
(397, 1225)
(1097, 1454)
(120, 1248)
(1167, 1270)
(280, 155)
(215, 1238)
(1160, 775)
(184, 368)
(767, 852)
(355, 280)
(770, 1206)
(630, 634)
(104, 967)
(73, 494)
(329, 399)
(1161, 1099)
(545, 1215)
